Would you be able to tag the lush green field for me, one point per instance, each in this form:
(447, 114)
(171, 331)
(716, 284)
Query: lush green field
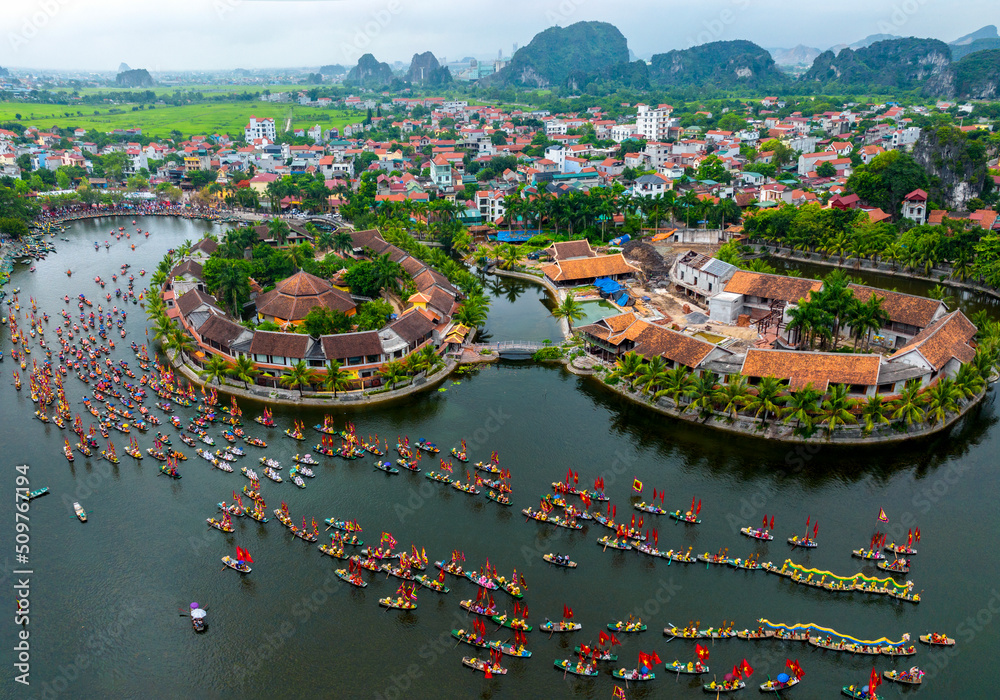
(188, 119)
(206, 89)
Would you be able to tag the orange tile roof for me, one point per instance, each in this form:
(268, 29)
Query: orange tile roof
(656, 340)
(790, 289)
(946, 338)
(902, 308)
(817, 368)
(588, 268)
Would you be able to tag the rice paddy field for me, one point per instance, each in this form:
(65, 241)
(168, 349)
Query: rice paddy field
(205, 118)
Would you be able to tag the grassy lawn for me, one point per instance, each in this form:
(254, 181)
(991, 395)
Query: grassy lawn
(188, 119)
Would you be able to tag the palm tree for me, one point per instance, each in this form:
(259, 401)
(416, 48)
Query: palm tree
(875, 412)
(677, 383)
(392, 373)
(324, 240)
(300, 254)
(232, 288)
(343, 243)
(244, 370)
(702, 393)
(215, 369)
(940, 292)
(650, 375)
(473, 311)
(336, 378)
(968, 381)
(508, 256)
(733, 395)
(163, 328)
(627, 366)
(942, 399)
(180, 343)
(298, 376)
(570, 309)
(426, 360)
(801, 405)
(909, 404)
(387, 273)
(836, 409)
(768, 399)
(278, 230)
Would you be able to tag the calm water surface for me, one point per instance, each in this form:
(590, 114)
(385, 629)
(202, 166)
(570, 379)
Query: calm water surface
(105, 595)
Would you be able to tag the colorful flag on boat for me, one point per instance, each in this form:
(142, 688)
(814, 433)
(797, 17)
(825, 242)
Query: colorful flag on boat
(882, 517)
(636, 485)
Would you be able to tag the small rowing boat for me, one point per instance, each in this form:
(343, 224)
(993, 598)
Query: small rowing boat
(912, 677)
(693, 668)
(432, 583)
(386, 467)
(724, 687)
(559, 560)
(488, 667)
(561, 626)
(237, 565)
(224, 525)
(688, 518)
(773, 686)
(632, 674)
(869, 554)
(935, 639)
(469, 488)
(513, 623)
(650, 508)
(577, 669)
(597, 654)
(860, 693)
(333, 551)
(500, 498)
(434, 476)
(628, 626)
(757, 533)
(80, 512)
(806, 542)
(693, 633)
(613, 542)
(169, 471)
(897, 566)
(272, 475)
(38, 492)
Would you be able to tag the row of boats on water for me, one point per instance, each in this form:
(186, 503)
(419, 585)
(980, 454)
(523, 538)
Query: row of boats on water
(117, 397)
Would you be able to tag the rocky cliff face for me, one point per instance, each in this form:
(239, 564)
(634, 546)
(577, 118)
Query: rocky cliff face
(370, 72)
(557, 53)
(955, 163)
(425, 70)
(899, 63)
(721, 64)
(139, 77)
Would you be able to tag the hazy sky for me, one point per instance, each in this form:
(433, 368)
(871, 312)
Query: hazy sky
(222, 34)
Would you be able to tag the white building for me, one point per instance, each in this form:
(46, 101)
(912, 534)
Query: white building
(620, 132)
(259, 129)
(653, 123)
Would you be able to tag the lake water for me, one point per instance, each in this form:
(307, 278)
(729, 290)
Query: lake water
(105, 595)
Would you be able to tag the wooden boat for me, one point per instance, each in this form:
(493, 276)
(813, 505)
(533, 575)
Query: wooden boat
(688, 518)
(757, 533)
(518, 652)
(565, 562)
(351, 541)
(169, 471)
(690, 668)
(386, 467)
(869, 554)
(912, 677)
(303, 534)
(579, 669)
(343, 575)
(158, 455)
(859, 693)
(294, 434)
(38, 492)
(409, 465)
(188, 441)
(723, 687)
(563, 487)
(613, 542)
(343, 525)
(272, 475)
(512, 623)
(451, 567)
(690, 633)
(80, 512)
(805, 542)
(481, 580)
(460, 456)
(434, 476)
(561, 626)
(898, 651)
(305, 459)
(397, 604)
(627, 627)
(935, 639)
(473, 639)
(632, 675)
(296, 479)
(432, 583)
(897, 566)
(500, 498)
(758, 634)
(234, 564)
(650, 508)
(482, 665)
(899, 549)
(469, 488)
(488, 468)
(219, 524)
(332, 551)
(773, 686)
(398, 571)
(869, 650)
(427, 446)
(714, 559)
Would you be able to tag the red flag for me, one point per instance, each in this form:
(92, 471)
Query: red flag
(614, 640)
(692, 503)
(746, 669)
(524, 613)
(655, 658)
(568, 613)
(654, 493)
(815, 529)
(488, 674)
(619, 693)
(765, 521)
(656, 536)
(602, 638)
(772, 522)
(699, 508)
(807, 521)
(916, 534)
(576, 478)
(633, 522)
(736, 673)
(614, 513)
(874, 682)
(701, 651)
(441, 576)
(247, 557)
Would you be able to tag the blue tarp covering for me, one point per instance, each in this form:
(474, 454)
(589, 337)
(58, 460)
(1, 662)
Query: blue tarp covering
(622, 300)
(621, 239)
(607, 285)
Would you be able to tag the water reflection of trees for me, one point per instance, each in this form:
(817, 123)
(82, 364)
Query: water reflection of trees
(812, 465)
